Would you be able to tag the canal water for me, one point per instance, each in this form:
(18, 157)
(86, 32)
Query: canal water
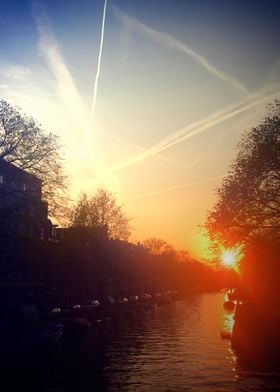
(176, 347)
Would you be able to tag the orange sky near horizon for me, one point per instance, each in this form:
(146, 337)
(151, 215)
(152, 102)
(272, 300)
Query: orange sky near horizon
(150, 101)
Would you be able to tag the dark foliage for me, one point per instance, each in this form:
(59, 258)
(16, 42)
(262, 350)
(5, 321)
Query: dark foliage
(25, 144)
(248, 206)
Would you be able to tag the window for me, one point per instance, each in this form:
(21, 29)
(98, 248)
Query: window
(24, 187)
(1, 179)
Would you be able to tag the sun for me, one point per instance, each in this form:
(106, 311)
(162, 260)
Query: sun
(229, 258)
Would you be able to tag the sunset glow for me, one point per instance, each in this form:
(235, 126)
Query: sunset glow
(164, 129)
(231, 257)
(139, 183)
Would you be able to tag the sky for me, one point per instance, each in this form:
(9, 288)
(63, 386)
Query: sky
(150, 98)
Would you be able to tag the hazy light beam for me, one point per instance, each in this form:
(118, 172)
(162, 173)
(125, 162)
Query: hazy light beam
(95, 89)
(80, 143)
(49, 49)
(171, 42)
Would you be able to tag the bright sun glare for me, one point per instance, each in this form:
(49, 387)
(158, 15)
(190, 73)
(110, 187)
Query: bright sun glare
(228, 258)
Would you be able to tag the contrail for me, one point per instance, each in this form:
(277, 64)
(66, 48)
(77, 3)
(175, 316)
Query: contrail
(220, 119)
(210, 148)
(99, 61)
(188, 166)
(172, 188)
(171, 42)
(199, 127)
(79, 143)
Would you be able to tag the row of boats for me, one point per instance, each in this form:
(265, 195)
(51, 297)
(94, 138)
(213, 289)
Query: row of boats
(74, 320)
(109, 304)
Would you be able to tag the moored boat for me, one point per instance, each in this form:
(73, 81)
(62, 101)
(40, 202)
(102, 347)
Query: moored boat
(38, 335)
(256, 331)
(229, 305)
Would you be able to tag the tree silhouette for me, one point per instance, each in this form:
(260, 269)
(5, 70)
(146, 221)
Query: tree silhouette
(157, 246)
(101, 210)
(248, 206)
(25, 144)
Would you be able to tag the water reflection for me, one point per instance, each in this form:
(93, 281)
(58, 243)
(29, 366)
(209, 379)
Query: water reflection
(258, 375)
(228, 321)
(171, 348)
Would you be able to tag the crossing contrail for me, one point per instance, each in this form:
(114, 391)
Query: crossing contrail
(192, 164)
(99, 61)
(171, 42)
(260, 97)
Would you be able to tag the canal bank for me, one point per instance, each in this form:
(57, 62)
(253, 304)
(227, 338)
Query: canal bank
(170, 348)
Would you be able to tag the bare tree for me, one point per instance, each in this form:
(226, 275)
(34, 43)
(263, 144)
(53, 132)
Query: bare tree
(157, 246)
(101, 210)
(26, 145)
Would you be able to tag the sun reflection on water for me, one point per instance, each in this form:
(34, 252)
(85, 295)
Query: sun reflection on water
(228, 322)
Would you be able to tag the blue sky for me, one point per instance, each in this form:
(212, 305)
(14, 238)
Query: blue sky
(179, 82)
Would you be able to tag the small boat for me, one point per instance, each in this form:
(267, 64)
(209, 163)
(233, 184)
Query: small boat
(238, 295)
(255, 333)
(145, 297)
(164, 299)
(225, 335)
(122, 301)
(133, 298)
(91, 305)
(76, 327)
(50, 333)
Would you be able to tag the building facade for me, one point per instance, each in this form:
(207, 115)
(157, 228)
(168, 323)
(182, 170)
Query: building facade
(22, 210)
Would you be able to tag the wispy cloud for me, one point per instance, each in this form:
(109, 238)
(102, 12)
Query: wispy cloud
(15, 72)
(95, 89)
(66, 87)
(19, 86)
(85, 156)
(175, 187)
(261, 97)
(173, 43)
